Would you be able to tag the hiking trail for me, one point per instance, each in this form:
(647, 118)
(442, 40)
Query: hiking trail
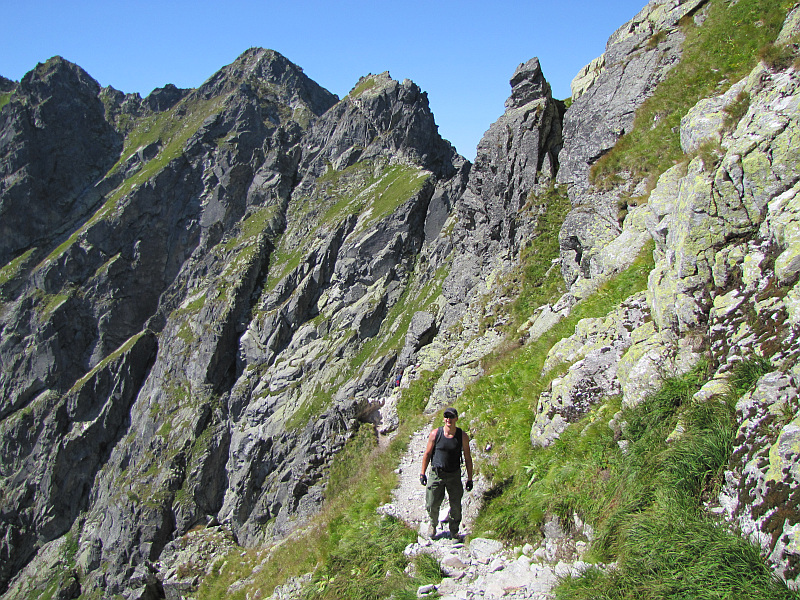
(481, 567)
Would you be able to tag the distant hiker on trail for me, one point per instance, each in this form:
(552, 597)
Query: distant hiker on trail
(444, 450)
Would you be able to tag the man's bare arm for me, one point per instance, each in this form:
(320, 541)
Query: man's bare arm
(467, 454)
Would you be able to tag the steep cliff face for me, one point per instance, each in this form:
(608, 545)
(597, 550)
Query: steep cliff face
(190, 350)
(207, 292)
(84, 335)
(638, 56)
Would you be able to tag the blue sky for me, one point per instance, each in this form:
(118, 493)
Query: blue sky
(461, 53)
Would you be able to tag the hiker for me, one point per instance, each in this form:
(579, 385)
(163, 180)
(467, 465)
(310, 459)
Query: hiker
(444, 450)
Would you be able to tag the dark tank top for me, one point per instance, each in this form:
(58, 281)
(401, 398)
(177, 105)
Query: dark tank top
(447, 451)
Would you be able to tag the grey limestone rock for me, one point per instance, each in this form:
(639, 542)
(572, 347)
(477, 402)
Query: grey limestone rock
(186, 560)
(697, 211)
(724, 289)
(161, 99)
(517, 157)
(353, 271)
(55, 143)
(598, 117)
(421, 332)
(6, 85)
(58, 445)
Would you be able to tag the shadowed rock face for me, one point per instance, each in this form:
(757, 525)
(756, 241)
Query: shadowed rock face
(160, 365)
(55, 143)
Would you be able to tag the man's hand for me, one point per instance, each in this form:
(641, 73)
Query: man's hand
(423, 479)
(468, 487)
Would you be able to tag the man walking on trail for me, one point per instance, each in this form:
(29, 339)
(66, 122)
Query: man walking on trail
(444, 450)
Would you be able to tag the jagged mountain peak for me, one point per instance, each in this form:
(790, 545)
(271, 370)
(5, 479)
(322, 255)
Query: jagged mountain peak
(164, 98)
(57, 72)
(259, 67)
(373, 84)
(200, 219)
(380, 117)
(56, 142)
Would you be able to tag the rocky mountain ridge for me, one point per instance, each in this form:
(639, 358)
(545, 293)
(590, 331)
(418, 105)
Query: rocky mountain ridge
(181, 238)
(207, 292)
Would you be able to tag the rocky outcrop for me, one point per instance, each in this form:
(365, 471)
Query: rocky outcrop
(6, 85)
(594, 353)
(587, 76)
(368, 209)
(516, 158)
(729, 200)
(760, 491)
(637, 57)
(723, 288)
(55, 144)
(745, 261)
(494, 217)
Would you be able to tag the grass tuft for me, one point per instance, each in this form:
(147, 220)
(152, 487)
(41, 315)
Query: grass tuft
(720, 52)
(746, 373)
(366, 563)
(651, 519)
(779, 57)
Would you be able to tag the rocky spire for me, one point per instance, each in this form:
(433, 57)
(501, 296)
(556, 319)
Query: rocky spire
(527, 84)
(516, 157)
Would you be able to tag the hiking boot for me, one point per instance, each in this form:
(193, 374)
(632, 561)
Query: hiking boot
(431, 530)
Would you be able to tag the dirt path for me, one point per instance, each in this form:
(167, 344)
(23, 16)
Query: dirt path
(480, 568)
(408, 499)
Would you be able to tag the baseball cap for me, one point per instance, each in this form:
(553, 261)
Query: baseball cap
(450, 412)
